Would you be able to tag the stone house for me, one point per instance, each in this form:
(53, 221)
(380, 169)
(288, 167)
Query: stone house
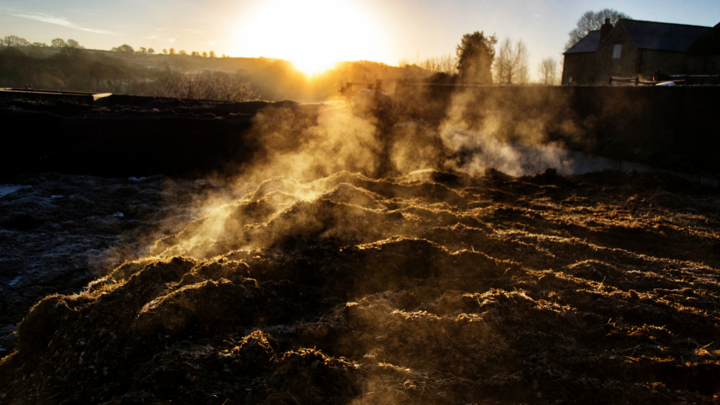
(638, 48)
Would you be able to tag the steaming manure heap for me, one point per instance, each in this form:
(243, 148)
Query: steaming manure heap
(428, 288)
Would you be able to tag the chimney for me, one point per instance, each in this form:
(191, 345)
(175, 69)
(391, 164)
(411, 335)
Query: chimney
(605, 30)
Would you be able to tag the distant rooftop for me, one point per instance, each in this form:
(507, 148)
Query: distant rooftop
(589, 43)
(648, 35)
(708, 42)
(663, 36)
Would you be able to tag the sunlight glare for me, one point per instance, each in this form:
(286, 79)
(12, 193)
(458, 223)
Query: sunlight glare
(312, 34)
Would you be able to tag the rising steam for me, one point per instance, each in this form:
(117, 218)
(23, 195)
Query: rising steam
(373, 239)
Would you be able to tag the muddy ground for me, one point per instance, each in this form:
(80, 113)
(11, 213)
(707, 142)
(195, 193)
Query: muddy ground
(58, 232)
(434, 287)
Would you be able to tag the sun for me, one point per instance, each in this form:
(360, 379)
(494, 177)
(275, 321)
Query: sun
(312, 34)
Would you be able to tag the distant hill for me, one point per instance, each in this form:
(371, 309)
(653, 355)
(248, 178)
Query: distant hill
(137, 73)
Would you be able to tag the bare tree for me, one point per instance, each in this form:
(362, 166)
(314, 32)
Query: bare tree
(142, 49)
(169, 83)
(14, 40)
(592, 21)
(58, 43)
(511, 63)
(440, 64)
(205, 86)
(73, 43)
(547, 71)
(448, 64)
(151, 51)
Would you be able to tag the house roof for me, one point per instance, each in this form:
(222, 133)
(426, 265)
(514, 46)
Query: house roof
(649, 35)
(663, 36)
(708, 43)
(589, 43)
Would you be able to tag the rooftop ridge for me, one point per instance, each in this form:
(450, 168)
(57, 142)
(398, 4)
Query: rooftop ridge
(663, 23)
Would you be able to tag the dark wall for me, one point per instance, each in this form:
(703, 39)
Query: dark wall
(666, 62)
(160, 138)
(662, 126)
(119, 145)
(706, 64)
(625, 66)
(580, 67)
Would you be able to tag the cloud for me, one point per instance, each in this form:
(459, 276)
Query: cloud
(60, 21)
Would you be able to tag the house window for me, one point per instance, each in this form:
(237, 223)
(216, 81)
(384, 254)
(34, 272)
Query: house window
(617, 51)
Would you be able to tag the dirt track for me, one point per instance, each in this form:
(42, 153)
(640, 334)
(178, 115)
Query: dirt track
(429, 288)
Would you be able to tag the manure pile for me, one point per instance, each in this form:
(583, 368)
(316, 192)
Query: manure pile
(429, 288)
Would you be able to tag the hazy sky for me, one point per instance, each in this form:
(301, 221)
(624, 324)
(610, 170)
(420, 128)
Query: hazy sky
(380, 30)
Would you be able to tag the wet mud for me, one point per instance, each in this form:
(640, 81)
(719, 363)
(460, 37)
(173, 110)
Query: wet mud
(58, 232)
(432, 287)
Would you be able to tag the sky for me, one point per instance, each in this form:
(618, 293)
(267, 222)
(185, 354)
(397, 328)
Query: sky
(317, 32)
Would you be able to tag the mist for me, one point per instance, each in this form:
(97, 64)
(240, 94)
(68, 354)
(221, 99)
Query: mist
(398, 245)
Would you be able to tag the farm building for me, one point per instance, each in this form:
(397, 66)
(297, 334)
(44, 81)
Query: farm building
(634, 48)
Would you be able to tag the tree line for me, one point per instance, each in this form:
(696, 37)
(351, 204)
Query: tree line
(16, 41)
(206, 85)
(227, 79)
(125, 48)
(481, 59)
(73, 68)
